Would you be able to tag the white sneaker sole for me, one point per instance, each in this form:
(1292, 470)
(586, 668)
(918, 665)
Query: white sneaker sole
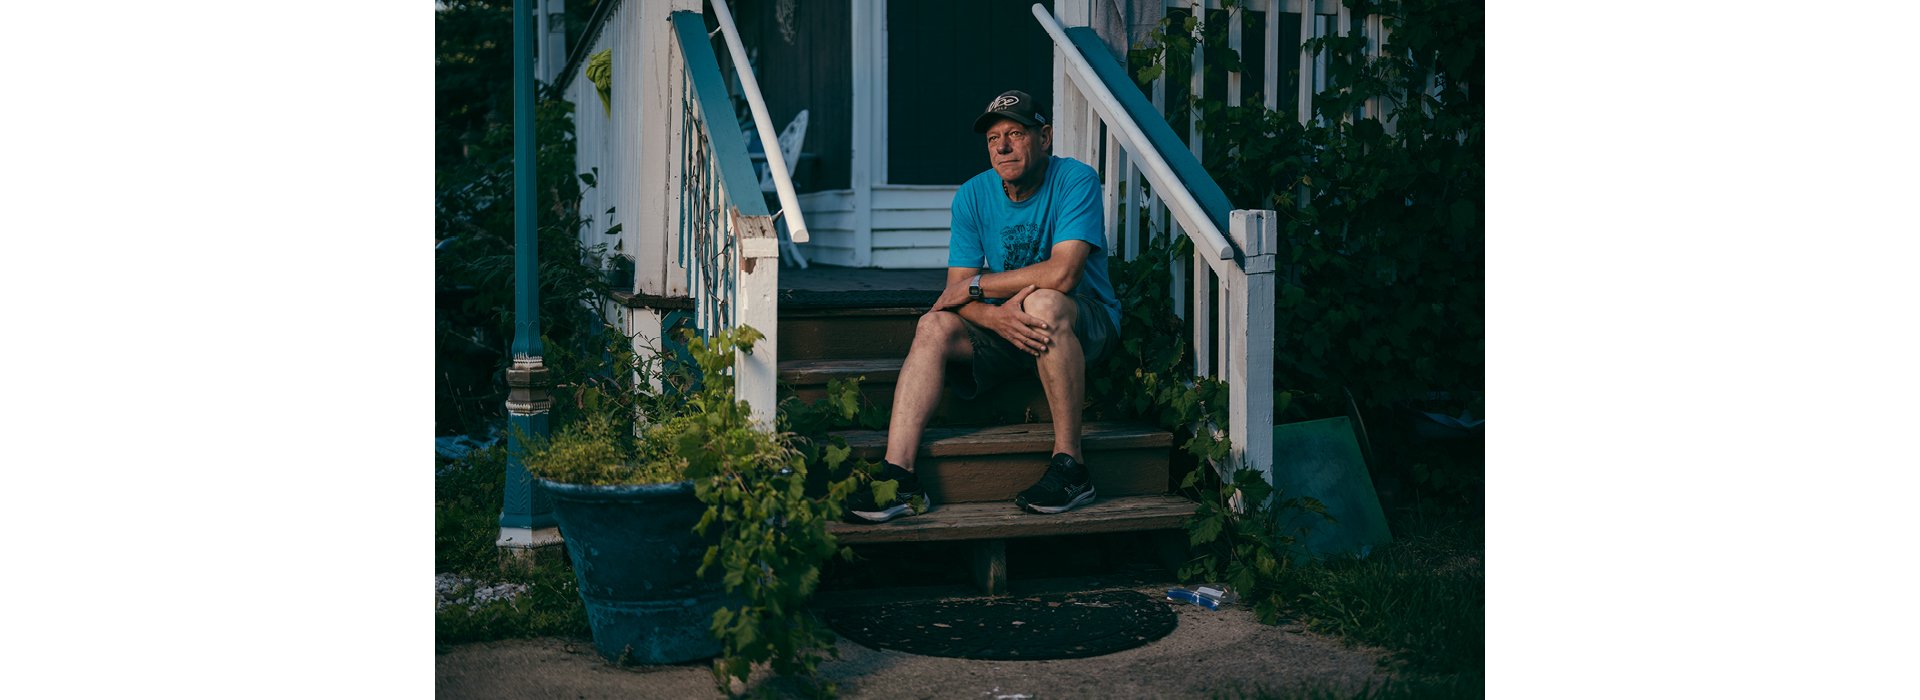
(1084, 497)
(888, 514)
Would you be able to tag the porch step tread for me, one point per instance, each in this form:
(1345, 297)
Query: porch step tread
(1012, 439)
(805, 372)
(800, 299)
(975, 521)
(991, 465)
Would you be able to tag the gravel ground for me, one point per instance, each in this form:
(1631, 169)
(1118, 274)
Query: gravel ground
(453, 589)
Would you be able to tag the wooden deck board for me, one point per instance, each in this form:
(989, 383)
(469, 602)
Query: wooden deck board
(1012, 439)
(978, 521)
(805, 372)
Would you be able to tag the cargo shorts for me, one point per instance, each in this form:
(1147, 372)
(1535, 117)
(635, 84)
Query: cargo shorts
(996, 359)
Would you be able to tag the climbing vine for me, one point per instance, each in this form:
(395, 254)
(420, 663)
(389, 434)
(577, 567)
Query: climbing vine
(1383, 279)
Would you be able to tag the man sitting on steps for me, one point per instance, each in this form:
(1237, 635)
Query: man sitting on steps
(1027, 293)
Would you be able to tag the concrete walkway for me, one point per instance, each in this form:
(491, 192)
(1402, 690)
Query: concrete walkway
(1210, 654)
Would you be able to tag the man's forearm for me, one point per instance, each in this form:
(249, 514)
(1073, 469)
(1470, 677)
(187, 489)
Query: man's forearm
(977, 313)
(1047, 274)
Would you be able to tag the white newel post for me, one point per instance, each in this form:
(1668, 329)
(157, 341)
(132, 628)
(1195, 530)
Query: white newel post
(1250, 373)
(755, 373)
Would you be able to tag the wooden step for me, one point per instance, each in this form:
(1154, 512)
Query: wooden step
(841, 334)
(980, 521)
(969, 465)
(987, 526)
(1018, 401)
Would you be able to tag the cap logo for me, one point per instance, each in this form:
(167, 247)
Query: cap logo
(1003, 101)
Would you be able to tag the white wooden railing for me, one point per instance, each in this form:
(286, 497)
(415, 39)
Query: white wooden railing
(1317, 19)
(724, 236)
(1101, 118)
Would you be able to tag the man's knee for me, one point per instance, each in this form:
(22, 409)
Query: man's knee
(939, 327)
(1056, 309)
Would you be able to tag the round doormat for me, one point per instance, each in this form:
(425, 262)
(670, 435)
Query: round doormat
(1057, 626)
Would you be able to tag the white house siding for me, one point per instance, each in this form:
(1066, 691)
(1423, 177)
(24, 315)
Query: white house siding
(911, 225)
(830, 227)
(595, 143)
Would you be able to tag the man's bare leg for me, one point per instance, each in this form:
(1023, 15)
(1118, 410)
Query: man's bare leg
(940, 338)
(1062, 368)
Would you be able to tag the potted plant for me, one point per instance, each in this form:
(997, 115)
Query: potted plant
(698, 537)
(627, 514)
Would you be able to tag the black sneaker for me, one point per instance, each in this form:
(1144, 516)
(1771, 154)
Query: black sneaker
(860, 503)
(1066, 484)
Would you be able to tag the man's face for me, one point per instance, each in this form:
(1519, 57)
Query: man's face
(1016, 149)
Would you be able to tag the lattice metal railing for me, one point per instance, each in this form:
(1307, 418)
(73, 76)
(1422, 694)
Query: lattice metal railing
(707, 250)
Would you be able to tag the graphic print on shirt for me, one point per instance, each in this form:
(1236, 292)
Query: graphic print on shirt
(1021, 245)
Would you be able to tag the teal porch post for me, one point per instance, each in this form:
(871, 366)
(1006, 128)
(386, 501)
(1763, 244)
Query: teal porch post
(526, 516)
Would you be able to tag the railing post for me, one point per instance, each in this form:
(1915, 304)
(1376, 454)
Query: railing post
(1250, 371)
(755, 374)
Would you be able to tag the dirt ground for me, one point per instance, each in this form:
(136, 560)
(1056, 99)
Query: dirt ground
(1209, 652)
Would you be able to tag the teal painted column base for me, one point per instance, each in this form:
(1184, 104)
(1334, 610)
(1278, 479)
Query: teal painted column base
(529, 533)
(525, 505)
(1322, 459)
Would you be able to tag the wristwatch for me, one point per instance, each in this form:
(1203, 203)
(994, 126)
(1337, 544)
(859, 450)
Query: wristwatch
(973, 289)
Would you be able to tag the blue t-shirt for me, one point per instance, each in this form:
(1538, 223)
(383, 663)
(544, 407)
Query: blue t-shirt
(1000, 234)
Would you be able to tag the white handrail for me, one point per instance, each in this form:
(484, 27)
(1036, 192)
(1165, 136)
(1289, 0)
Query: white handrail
(777, 162)
(1145, 152)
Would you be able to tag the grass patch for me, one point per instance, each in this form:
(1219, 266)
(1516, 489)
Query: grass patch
(466, 519)
(551, 606)
(1424, 597)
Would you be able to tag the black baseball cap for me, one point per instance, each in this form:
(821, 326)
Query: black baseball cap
(1012, 104)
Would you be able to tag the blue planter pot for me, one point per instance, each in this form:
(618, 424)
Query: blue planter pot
(635, 554)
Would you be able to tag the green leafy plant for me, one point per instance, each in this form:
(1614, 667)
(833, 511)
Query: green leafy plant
(596, 450)
(843, 407)
(550, 605)
(1381, 293)
(600, 70)
(1384, 275)
(773, 537)
(1250, 546)
(466, 519)
(1150, 375)
(474, 265)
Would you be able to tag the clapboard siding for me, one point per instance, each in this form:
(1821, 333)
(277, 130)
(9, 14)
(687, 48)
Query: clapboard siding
(842, 257)
(911, 226)
(596, 142)
(829, 226)
(899, 197)
(910, 239)
(831, 238)
(917, 196)
(824, 220)
(910, 258)
(888, 219)
(835, 200)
